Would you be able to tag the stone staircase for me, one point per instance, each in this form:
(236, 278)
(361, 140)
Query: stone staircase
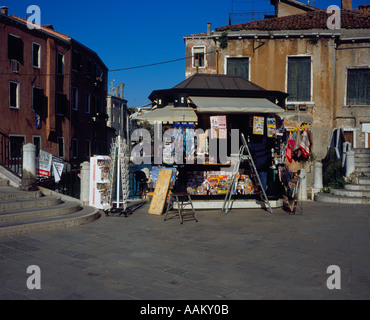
(362, 162)
(359, 191)
(32, 211)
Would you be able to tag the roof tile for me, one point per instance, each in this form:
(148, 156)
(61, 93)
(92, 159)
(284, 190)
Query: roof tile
(350, 19)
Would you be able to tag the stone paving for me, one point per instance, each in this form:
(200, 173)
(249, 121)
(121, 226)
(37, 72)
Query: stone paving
(246, 255)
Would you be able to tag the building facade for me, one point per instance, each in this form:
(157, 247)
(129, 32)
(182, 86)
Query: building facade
(52, 91)
(326, 72)
(117, 113)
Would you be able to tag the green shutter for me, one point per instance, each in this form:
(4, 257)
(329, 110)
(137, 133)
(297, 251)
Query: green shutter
(238, 67)
(299, 78)
(358, 86)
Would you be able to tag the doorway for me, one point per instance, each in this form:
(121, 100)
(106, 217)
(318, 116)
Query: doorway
(348, 137)
(366, 131)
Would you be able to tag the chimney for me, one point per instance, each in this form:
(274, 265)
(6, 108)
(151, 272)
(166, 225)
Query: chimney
(116, 91)
(122, 85)
(4, 10)
(208, 29)
(346, 4)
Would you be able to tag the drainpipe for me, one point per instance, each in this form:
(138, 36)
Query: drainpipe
(334, 81)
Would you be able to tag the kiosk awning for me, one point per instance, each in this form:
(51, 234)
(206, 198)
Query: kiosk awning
(170, 114)
(235, 105)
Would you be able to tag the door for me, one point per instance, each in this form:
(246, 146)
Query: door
(348, 136)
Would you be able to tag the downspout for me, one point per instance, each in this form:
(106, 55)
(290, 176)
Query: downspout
(334, 82)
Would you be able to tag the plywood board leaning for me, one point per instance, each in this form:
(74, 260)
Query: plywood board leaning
(160, 192)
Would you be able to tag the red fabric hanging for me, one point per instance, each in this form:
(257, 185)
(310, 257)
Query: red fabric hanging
(305, 144)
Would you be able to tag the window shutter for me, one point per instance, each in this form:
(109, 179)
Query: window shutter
(299, 79)
(238, 67)
(358, 86)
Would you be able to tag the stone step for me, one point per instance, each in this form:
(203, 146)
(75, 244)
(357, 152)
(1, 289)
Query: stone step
(86, 215)
(364, 181)
(362, 160)
(20, 204)
(362, 166)
(4, 183)
(362, 155)
(32, 211)
(364, 170)
(357, 187)
(350, 193)
(361, 150)
(326, 197)
(10, 193)
(61, 209)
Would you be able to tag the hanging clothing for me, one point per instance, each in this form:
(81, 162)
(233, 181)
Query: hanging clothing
(289, 148)
(305, 145)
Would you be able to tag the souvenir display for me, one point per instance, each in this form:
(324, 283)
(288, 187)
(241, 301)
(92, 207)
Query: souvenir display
(217, 182)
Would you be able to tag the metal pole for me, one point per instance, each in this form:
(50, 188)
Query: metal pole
(118, 169)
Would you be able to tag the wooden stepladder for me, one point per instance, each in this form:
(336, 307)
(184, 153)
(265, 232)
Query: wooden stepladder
(244, 155)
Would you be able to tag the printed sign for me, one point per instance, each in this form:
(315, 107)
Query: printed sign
(271, 127)
(258, 125)
(58, 165)
(218, 127)
(44, 164)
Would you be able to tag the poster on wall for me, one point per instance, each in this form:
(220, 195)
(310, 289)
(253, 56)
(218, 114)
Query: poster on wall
(218, 127)
(258, 125)
(271, 127)
(222, 127)
(99, 182)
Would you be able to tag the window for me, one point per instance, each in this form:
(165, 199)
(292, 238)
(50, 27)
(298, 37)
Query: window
(36, 55)
(13, 94)
(358, 86)
(198, 54)
(60, 141)
(37, 99)
(74, 148)
(88, 102)
(238, 67)
(94, 104)
(76, 61)
(61, 104)
(60, 63)
(74, 98)
(36, 140)
(87, 148)
(15, 48)
(16, 143)
(90, 68)
(299, 79)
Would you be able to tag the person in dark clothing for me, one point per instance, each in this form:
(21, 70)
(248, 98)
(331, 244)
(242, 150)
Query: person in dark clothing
(260, 151)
